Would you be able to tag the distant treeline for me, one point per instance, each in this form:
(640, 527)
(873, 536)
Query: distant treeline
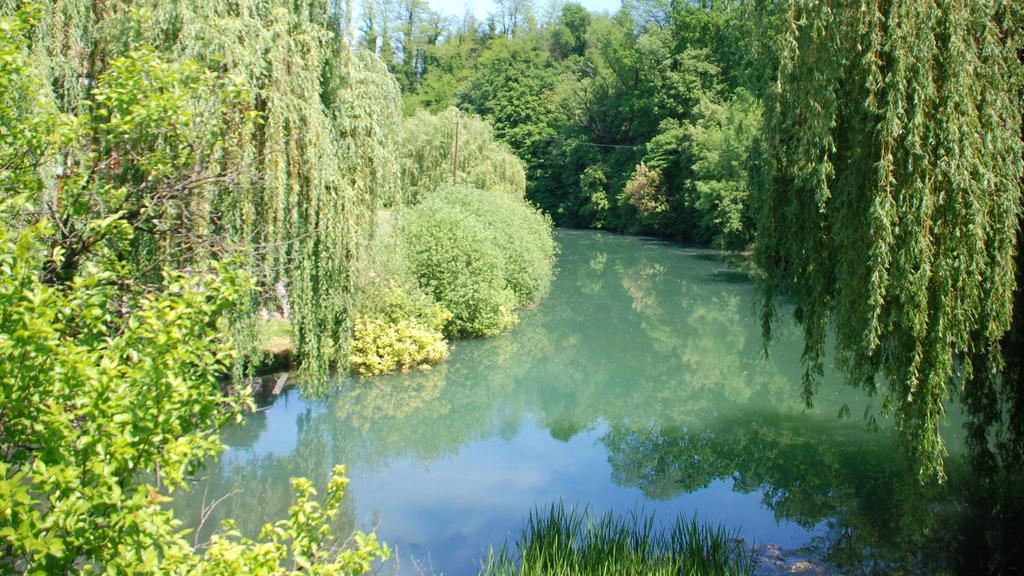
(644, 120)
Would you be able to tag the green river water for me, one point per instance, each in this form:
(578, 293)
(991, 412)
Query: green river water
(638, 383)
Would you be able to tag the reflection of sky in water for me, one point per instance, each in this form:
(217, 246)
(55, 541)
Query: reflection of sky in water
(447, 509)
(279, 435)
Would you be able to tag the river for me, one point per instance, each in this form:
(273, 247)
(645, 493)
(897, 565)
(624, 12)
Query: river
(638, 383)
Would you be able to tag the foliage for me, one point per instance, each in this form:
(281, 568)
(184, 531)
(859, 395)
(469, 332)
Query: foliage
(28, 120)
(569, 37)
(595, 208)
(573, 542)
(91, 399)
(645, 192)
(893, 199)
(512, 86)
(111, 397)
(455, 260)
(430, 157)
(304, 541)
(587, 97)
(397, 328)
(723, 138)
(521, 233)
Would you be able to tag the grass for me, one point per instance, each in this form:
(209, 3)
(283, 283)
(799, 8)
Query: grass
(276, 346)
(275, 336)
(561, 542)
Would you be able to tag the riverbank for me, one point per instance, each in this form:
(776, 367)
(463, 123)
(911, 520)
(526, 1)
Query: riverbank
(277, 350)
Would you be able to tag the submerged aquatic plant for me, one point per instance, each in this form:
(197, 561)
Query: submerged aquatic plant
(570, 542)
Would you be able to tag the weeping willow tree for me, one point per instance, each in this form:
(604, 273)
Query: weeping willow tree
(453, 147)
(306, 151)
(893, 196)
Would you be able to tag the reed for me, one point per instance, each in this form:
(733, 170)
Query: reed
(570, 542)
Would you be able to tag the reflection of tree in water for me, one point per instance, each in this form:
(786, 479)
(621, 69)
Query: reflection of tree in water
(809, 471)
(639, 283)
(706, 340)
(368, 401)
(257, 485)
(590, 279)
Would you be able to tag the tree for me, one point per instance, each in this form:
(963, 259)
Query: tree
(514, 16)
(569, 36)
(723, 138)
(294, 167)
(893, 197)
(430, 158)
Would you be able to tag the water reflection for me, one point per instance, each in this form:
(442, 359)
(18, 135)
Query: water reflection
(638, 382)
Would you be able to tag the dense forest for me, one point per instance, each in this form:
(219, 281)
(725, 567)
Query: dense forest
(178, 178)
(640, 121)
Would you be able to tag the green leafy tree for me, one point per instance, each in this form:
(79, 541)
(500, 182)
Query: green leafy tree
(453, 147)
(569, 37)
(513, 88)
(723, 139)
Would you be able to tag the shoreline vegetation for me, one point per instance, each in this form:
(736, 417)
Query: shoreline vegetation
(561, 541)
(451, 261)
(277, 351)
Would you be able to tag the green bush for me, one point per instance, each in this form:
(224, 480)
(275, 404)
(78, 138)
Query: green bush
(455, 260)
(520, 232)
(397, 329)
(106, 409)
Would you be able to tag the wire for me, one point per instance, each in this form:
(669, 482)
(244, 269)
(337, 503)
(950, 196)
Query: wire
(595, 144)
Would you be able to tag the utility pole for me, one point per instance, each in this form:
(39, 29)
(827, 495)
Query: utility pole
(350, 27)
(455, 151)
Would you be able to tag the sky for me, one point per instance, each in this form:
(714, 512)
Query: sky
(481, 9)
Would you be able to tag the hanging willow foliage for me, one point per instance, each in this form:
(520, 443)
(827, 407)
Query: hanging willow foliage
(893, 195)
(302, 181)
(453, 147)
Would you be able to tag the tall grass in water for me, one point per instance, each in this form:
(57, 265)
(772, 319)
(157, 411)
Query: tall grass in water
(571, 542)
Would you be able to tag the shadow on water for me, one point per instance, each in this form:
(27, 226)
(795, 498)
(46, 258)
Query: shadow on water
(729, 276)
(639, 381)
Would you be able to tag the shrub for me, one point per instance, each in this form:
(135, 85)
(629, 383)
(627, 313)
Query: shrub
(644, 192)
(520, 232)
(454, 259)
(397, 328)
(106, 408)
